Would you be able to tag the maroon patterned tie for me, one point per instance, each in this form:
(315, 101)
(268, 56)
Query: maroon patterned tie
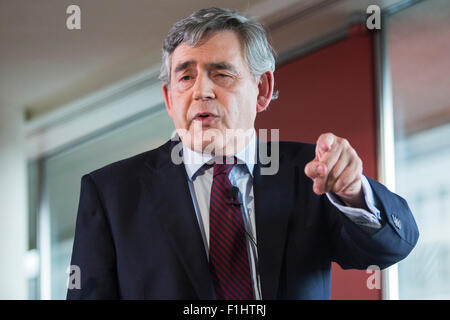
(228, 256)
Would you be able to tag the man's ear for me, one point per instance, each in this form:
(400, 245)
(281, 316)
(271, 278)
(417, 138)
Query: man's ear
(167, 99)
(265, 91)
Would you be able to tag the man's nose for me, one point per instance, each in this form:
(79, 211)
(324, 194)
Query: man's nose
(203, 88)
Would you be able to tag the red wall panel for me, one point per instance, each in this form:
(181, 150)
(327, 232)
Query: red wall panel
(331, 90)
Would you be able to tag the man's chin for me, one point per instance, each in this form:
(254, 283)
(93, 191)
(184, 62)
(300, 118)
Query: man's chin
(206, 139)
(207, 147)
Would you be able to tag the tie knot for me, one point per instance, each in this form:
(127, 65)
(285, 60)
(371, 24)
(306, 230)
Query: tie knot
(223, 165)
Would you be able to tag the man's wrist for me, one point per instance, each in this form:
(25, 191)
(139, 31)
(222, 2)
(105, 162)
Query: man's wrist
(358, 201)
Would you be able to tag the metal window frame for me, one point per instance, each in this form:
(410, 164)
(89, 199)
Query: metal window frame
(385, 140)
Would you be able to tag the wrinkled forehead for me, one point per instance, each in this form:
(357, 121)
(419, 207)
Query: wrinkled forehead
(215, 48)
(193, 39)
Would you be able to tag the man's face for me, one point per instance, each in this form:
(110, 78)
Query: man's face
(211, 90)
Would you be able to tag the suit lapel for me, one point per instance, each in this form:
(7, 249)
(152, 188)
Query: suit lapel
(169, 190)
(272, 216)
(177, 216)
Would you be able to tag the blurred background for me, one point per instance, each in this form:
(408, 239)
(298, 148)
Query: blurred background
(72, 101)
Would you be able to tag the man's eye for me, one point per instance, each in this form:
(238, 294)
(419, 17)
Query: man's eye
(223, 75)
(185, 78)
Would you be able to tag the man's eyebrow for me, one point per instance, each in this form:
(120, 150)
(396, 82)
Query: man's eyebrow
(210, 66)
(184, 65)
(222, 66)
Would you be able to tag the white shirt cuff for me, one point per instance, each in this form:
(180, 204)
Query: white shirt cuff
(358, 215)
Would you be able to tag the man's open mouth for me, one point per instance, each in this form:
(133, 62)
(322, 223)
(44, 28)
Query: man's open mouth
(205, 117)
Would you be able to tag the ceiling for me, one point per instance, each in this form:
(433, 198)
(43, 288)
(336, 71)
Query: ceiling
(44, 66)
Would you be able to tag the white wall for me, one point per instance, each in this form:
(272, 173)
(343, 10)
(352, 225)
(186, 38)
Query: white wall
(13, 205)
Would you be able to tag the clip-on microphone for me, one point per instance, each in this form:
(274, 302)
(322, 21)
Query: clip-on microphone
(234, 191)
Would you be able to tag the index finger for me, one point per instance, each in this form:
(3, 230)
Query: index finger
(324, 144)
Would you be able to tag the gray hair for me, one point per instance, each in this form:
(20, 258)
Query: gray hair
(258, 53)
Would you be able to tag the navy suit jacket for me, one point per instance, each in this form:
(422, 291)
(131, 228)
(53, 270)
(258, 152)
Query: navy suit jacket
(137, 235)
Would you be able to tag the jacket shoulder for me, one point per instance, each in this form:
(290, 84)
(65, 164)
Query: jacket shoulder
(131, 167)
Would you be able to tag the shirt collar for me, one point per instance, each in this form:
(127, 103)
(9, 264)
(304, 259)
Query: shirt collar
(193, 160)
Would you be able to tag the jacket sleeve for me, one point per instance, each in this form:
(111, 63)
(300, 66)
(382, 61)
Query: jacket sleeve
(354, 247)
(93, 252)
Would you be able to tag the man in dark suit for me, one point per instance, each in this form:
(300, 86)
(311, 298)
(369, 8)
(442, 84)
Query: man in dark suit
(208, 217)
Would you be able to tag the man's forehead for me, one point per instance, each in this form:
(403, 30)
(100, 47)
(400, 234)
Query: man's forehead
(220, 46)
